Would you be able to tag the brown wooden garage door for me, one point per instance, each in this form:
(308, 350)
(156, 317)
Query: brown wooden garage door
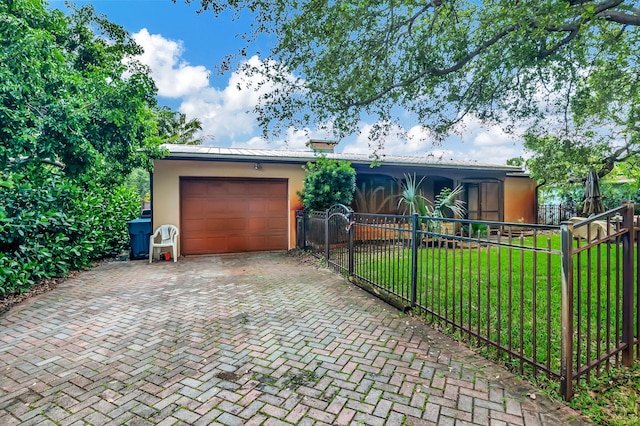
(227, 215)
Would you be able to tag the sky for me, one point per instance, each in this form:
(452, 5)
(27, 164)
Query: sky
(182, 49)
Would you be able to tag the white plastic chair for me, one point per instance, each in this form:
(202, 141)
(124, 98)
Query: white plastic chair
(168, 238)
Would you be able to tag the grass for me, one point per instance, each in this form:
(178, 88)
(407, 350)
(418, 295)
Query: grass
(613, 399)
(508, 294)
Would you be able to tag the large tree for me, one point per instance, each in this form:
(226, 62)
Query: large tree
(70, 96)
(70, 93)
(603, 129)
(534, 62)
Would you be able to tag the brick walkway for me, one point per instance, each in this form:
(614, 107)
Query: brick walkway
(242, 339)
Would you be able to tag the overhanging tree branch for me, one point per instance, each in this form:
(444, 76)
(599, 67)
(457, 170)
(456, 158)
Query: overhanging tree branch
(436, 72)
(600, 10)
(621, 18)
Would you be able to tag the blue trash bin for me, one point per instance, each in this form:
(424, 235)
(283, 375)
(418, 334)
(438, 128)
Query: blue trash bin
(139, 234)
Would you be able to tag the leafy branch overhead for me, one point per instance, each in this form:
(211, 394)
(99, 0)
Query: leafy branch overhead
(464, 55)
(556, 67)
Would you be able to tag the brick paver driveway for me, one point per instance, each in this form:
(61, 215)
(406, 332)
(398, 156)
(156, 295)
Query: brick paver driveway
(242, 339)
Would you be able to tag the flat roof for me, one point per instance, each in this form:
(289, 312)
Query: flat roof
(200, 152)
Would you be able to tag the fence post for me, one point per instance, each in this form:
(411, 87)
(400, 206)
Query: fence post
(352, 233)
(300, 229)
(414, 259)
(304, 230)
(326, 236)
(627, 284)
(566, 314)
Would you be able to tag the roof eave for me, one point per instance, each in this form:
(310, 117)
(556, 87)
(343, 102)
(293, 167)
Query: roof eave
(301, 157)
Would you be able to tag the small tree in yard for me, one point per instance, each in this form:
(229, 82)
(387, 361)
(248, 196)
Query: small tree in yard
(327, 182)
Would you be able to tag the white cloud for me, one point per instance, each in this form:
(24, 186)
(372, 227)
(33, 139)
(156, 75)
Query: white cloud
(227, 119)
(415, 141)
(477, 142)
(174, 77)
(492, 137)
(490, 144)
(226, 113)
(495, 156)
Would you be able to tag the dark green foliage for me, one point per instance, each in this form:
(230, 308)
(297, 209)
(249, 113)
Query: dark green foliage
(50, 225)
(516, 161)
(614, 193)
(327, 182)
(70, 95)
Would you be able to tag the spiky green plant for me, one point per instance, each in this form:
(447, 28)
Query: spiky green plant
(447, 199)
(412, 197)
(415, 202)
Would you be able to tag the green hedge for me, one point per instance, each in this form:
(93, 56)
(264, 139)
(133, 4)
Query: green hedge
(50, 225)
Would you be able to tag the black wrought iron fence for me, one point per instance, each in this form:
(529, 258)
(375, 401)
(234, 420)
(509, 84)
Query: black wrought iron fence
(480, 279)
(554, 214)
(547, 300)
(313, 228)
(600, 289)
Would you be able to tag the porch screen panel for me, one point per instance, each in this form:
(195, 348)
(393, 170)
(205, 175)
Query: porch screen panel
(484, 200)
(491, 200)
(473, 201)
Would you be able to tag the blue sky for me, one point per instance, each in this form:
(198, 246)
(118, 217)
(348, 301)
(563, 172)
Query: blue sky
(183, 48)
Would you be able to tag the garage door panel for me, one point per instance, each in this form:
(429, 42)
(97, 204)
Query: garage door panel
(259, 243)
(275, 206)
(194, 189)
(231, 227)
(237, 243)
(193, 225)
(255, 190)
(217, 186)
(220, 215)
(278, 225)
(206, 245)
(222, 226)
(194, 206)
(258, 225)
(257, 207)
(206, 206)
(277, 190)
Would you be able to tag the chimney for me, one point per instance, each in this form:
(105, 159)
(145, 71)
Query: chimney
(319, 145)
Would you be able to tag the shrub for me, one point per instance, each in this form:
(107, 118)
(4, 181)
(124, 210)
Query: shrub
(50, 225)
(327, 182)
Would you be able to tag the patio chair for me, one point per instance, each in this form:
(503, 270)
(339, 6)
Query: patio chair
(168, 238)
